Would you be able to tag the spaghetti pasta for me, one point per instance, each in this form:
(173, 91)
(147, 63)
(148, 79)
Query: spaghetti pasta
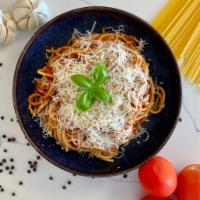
(101, 130)
(179, 23)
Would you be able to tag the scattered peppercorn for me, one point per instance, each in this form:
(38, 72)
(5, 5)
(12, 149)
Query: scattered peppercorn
(2, 118)
(5, 150)
(13, 194)
(125, 175)
(50, 178)
(9, 139)
(38, 157)
(12, 167)
(34, 169)
(2, 190)
(69, 182)
(13, 139)
(4, 160)
(10, 172)
(63, 187)
(28, 171)
(11, 160)
(20, 183)
(7, 167)
(3, 136)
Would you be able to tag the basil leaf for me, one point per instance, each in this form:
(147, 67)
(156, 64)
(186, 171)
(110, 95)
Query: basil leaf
(100, 74)
(84, 102)
(102, 95)
(81, 80)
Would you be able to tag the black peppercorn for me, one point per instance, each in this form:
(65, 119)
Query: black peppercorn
(11, 160)
(10, 172)
(3, 136)
(2, 118)
(7, 167)
(38, 157)
(12, 167)
(63, 187)
(20, 183)
(9, 139)
(13, 194)
(28, 171)
(125, 175)
(50, 178)
(5, 150)
(69, 182)
(4, 160)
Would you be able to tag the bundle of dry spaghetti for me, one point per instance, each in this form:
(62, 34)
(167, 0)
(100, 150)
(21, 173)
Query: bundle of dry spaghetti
(179, 23)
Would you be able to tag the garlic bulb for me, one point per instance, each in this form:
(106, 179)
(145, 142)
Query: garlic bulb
(30, 14)
(8, 28)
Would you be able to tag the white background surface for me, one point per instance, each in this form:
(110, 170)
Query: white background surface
(183, 147)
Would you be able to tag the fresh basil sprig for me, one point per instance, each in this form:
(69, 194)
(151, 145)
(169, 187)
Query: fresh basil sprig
(81, 81)
(92, 89)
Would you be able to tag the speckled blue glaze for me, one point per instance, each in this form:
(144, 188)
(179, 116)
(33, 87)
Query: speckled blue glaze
(163, 68)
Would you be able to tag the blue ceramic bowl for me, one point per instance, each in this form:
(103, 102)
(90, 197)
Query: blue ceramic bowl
(163, 68)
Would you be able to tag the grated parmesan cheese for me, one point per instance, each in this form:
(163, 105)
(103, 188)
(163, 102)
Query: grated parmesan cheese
(104, 125)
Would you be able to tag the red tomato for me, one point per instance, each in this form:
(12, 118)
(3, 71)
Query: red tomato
(158, 177)
(153, 198)
(189, 183)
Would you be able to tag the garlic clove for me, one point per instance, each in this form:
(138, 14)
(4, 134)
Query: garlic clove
(22, 4)
(11, 25)
(42, 18)
(35, 3)
(10, 37)
(8, 28)
(36, 13)
(7, 16)
(20, 13)
(33, 22)
(3, 34)
(23, 24)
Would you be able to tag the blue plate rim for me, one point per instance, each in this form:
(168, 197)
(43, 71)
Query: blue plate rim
(42, 29)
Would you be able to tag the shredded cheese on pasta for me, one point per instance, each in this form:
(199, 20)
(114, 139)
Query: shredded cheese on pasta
(104, 125)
